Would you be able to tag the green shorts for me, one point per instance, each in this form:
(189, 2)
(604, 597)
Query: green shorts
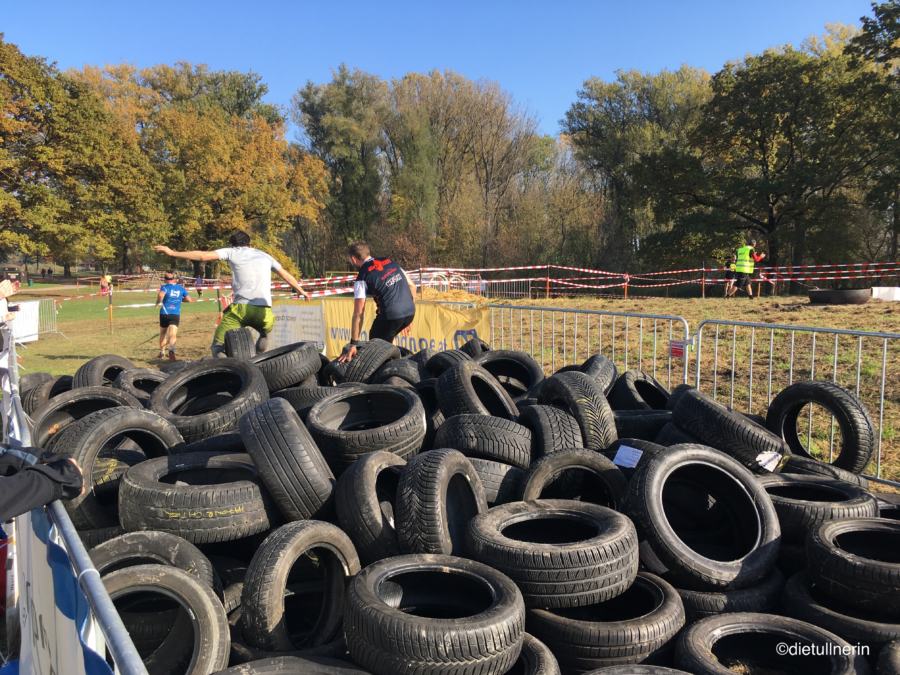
(239, 315)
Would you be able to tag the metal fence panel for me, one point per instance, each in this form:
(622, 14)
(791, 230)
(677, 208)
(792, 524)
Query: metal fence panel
(47, 312)
(16, 435)
(557, 337)
(749, 363)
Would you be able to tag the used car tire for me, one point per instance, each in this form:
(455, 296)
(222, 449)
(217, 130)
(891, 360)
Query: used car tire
(139, 382)
(202, 513)
(399, 373)
(636, 390)
(807, 466)
(65, 409)
(734, 544)
(597, 481)
(804, 502)
(697, 646)
(856, 563)
(763, 597)
(601, 369)
(100, 371)
(469, 388)
(369, 358)
(391, 626)
(552, 430)
(264, 620)
(434, 418)
(560, 553)
(637, 626)
(858, 437)
(240, 344)
(502, 482)
(205, 614)
(96, 436)
(289, 462)
(713, 424)
(364, 499)
(806, 603)
(486, 437)
(357, 421)
(670, 434)
(439, 493)
(516, 371)
(442, 361)
(643, 424)
(34, 398)
(581, 397)
(155, 548)
(240, 383)
(289, 365)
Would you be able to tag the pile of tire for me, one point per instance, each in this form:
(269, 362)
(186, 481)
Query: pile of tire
(460, 513)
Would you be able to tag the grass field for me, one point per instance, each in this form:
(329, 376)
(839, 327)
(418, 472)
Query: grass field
(724, 371)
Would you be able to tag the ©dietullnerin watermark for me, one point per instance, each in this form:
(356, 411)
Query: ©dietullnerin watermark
(824, 649)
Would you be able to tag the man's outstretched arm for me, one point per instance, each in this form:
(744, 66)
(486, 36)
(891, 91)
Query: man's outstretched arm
(292, 282)
(197, 256)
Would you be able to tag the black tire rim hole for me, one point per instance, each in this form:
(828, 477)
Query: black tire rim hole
(160, 627)
(363, 411)
(204, 393)
(807, 492)
(883, 546)
(145, 384)
(810, 429)
(581, 483)
(314, 591)
(641, 599)
(551, 528)
(386, 483)
(433, 594)
(489, 398)
(651, 394)
(462, 506)
(711, 512)
(758, 653)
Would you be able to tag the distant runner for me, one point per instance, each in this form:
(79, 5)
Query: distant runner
(170, 297)
(251, 284)
(383, 280)
(729, 275)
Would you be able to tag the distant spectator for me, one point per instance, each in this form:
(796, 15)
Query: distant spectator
(198, 285)
(745, 264)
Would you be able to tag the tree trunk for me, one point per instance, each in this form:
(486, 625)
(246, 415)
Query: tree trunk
(67, 270)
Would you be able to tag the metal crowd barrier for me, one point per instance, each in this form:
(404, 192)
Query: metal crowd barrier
(47, 313)
(557, 337)
(747, 364)
(16, 435)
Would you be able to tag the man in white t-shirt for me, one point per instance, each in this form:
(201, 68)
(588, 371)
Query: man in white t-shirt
(251, 284)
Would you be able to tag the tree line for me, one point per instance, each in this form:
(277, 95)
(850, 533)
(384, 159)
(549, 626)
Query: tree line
(797, 147)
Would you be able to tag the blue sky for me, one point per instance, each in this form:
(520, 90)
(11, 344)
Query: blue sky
(540, 52)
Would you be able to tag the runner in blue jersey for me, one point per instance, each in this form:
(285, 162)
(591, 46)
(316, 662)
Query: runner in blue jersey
(170, 297)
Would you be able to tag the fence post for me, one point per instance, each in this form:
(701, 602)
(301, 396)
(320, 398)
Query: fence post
(547, 283)
(110, 309)
(703, 282)
(626, 287)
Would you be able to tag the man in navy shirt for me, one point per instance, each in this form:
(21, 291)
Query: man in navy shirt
(170, 296)
(386, 282)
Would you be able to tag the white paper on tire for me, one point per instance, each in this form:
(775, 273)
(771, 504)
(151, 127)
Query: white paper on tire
(768, 460)
(627, 456)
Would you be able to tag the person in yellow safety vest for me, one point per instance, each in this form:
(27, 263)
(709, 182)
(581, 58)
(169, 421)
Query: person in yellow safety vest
(745, 263)
(729, 276)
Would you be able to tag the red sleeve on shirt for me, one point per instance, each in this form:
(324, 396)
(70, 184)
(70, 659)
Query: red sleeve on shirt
(757, 256)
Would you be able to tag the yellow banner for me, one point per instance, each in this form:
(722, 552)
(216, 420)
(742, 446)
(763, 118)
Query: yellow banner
(436, 326)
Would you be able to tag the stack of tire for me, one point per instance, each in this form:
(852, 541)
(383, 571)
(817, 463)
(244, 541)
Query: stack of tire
(459, 512)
